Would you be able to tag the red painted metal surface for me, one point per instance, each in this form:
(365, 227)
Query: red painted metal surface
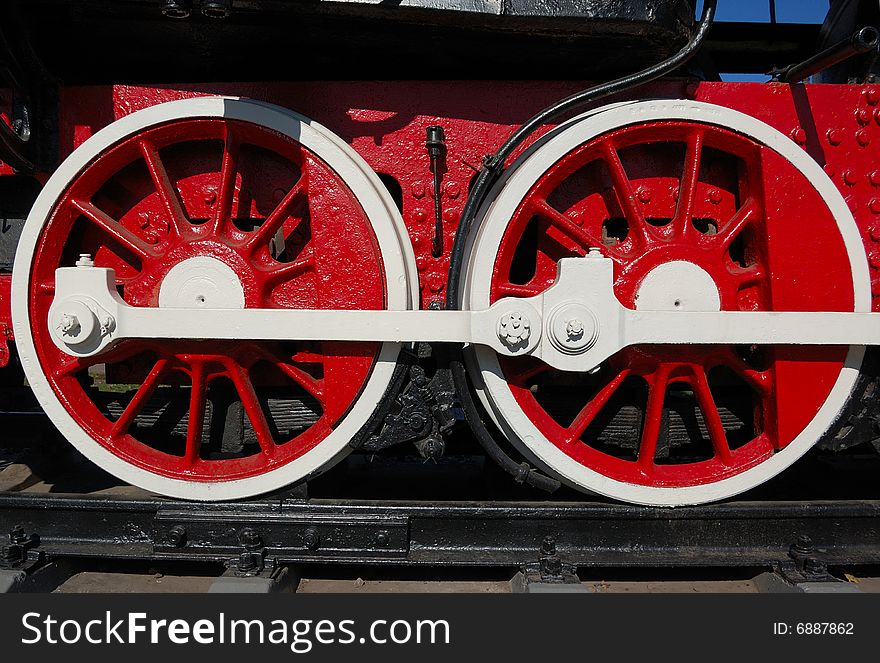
(264, 206)
(649, 195)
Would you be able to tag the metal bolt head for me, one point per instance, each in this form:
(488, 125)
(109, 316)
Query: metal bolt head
(17, 534)
(249, 538)
(311, 540)
(834, 136)
(803, 546)
(108, 324)
(548, 545)
(644, 194)
(382, 538)
(514, 329)
(217, 8)
(176, 8)
(177, 536)
(247, 561)
(69, 325)
(814, 566)
(85, 260)
(10, 554)
(863, 138)
(715, 196)
(574, 328)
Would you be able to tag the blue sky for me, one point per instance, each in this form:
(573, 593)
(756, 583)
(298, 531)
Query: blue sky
(787, 11)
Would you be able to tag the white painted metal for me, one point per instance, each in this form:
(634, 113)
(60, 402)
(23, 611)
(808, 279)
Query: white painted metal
(201, 282)
(487, 375)
(398, 265)
(585, 322)
(678, 286)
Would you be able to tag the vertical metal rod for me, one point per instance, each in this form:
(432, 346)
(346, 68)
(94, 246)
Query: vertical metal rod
(435, 143)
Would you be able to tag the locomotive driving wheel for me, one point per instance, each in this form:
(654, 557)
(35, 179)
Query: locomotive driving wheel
(213, 203)
(700, 208)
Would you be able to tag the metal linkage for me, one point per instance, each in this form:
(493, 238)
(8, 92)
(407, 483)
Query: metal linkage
(863, 41)
(574, 325)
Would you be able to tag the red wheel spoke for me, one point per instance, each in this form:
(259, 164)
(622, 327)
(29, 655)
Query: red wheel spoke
(517, 290)
(228, 173)
(657, 384)
(586, 416)
(626, 196)
(177, 220)
(307, 357)
(196, 422)
(113, 228)
(687, 192)
(566, 224)
(745, 215)
(140, 398)
(750, 276)
(759, 380)
(289, 270)
(252, 407)
(277, 217)
(711, 416)
(313, 386)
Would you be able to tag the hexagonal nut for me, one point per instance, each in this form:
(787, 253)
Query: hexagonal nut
(574, 328)
(514, 329)
(73, 323)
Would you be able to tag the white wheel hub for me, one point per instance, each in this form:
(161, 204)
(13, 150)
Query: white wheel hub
(201, 282)
(678, 286)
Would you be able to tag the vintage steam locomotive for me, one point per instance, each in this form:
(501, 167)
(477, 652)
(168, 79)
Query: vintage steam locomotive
(231, 257)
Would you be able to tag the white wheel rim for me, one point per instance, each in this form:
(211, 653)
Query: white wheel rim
(493, 389)
(398, 264)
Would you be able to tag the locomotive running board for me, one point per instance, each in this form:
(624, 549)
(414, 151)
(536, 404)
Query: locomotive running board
(574, 325)
(735, 534)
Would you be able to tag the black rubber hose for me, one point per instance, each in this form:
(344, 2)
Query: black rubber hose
(492, 168)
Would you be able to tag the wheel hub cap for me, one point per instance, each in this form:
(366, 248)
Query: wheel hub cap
(201, 282)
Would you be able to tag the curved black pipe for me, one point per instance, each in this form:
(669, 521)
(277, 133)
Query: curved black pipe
(491, 170)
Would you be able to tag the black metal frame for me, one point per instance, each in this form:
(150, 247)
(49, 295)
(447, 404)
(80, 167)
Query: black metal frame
(589, 534)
